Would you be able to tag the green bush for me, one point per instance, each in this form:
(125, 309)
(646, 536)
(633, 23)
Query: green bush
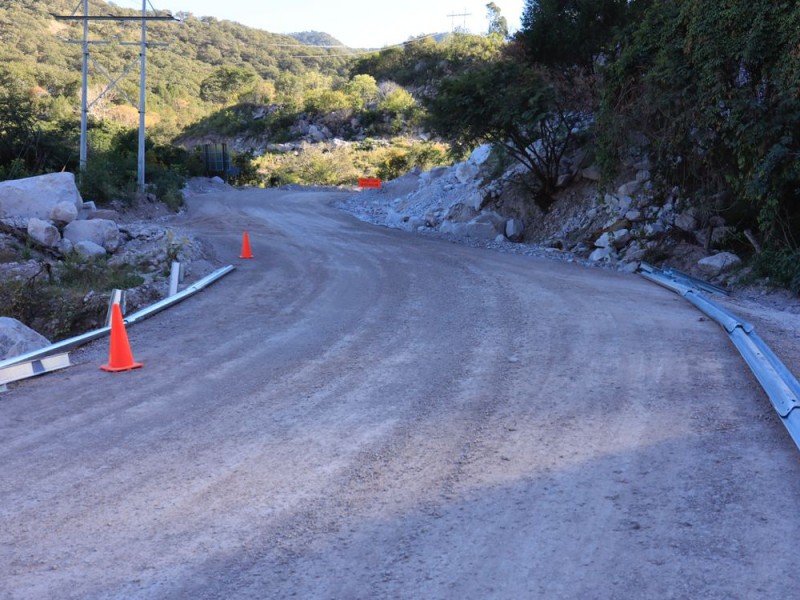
(112, 168)
(781, 265)
(321, 164)
(313, 164)
(713, 87)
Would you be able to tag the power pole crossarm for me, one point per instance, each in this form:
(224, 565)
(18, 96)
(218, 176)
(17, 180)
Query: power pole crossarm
(453, 16)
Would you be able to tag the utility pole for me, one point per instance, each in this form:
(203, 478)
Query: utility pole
(142, 59)
(142, 107)
(84, 85)
(453, 16)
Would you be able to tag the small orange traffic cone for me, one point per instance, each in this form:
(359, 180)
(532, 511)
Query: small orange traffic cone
(246, 253)
(120, 357)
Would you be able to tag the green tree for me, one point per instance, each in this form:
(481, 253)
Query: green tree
(322, 101)
(30, 142)
(570, 32)
(498, 25)
(225, 84)
(509, 104)
(363, 90)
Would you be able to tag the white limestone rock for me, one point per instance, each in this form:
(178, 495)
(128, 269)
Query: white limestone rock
(602, 254)
(64, 212)
(718, 263)
(630, 188)
(515, 230)
(89, 249)
(481, 154)
(16, 338)
(102, 232)
(43, 232)
(40, 197)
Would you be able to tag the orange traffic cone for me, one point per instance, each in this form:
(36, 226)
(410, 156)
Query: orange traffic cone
(120, 357)
(246, 253)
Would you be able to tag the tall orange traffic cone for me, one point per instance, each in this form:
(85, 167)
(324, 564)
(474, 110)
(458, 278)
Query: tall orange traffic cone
(246, 253)
(120, 357)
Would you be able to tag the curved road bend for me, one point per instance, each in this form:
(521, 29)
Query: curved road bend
(360, 413)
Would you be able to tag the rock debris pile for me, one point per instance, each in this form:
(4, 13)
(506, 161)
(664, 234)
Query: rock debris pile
(44, 223)
(470, 203)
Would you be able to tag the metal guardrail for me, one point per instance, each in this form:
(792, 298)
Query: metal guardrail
(79, 340)
(780, 385)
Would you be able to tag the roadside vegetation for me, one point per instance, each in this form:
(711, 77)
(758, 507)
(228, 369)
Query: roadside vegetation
(707, 90)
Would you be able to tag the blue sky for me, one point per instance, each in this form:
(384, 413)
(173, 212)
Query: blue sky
(356, 23)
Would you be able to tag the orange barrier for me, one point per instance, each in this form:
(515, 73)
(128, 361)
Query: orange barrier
(120, 357)
(246, 253)
(369, 182)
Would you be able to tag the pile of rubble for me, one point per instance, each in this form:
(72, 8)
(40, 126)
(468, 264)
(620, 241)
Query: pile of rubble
(44, 221)
(469, 202)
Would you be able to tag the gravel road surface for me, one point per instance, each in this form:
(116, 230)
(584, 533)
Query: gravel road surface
(360, 413)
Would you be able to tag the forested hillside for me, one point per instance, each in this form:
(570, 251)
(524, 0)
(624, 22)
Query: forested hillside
(36, 59)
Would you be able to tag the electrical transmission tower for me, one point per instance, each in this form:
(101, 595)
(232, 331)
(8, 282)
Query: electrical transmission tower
(142, 60)
(453, 16)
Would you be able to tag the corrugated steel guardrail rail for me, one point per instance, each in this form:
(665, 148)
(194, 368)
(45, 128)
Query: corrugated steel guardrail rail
(79, 340)
(781, 386)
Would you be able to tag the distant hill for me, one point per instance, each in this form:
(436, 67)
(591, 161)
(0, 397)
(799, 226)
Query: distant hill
(316, 38)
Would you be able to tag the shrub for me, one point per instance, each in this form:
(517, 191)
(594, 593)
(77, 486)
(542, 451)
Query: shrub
(781, 265)
(326, 101)
(312, 165)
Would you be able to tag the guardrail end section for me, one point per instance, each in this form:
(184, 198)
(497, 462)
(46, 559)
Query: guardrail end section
(32, 368)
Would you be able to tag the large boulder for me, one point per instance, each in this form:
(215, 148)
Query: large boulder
(718, 263)
(688, 220)
(102, 232)
(64, 212)
(44, 197)
(515, 230)
(16, 338)
(43, 232)
(483, 231)
(466, 172)
(88, 249)
(481, 154)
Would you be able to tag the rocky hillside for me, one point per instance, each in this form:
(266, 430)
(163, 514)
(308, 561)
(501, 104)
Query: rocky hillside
(469, 202)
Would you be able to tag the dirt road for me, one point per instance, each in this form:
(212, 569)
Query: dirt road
(359, 413)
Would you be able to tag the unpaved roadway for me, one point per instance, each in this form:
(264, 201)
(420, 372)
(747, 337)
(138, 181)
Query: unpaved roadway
(360, 413)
